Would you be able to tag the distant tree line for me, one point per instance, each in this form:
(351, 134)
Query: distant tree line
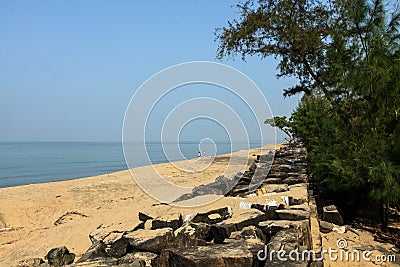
(346, 58)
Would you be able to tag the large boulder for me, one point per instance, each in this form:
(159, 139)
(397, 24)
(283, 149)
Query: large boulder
(173, 221)
(60, 256)
(271, 227)
(95, 251)
(294, 180)
(248, 233)
(331, 214)
(221, 231)
(129, 260)
(125, 226)
(213, 216)
(150, 240)
(217, 255)
(188, 235)
(286, 241)
(325, 227)
(292, 215)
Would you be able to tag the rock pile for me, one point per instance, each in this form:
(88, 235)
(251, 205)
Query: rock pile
(223, 236)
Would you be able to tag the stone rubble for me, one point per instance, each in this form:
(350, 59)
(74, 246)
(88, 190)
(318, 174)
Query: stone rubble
(217, 237)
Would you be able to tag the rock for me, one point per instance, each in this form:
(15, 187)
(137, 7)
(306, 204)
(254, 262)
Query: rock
(184, 197)
(275, 174)
(116, 245)
(144, 217)
(215, 188)
(297, 201)
(253, 167)
(125, 226)
(203, 231)
(271, 227)
(129, 260)
(173, 221)
(217, 255)
(224, 213)
(274, 180)
(292, 215)
(286, 239)
(60, 256)
(33, 262)
(303, 206)
(147, 257)
(277, 188)
(294, 180)
(325, 227)
(222, 230)
(187, 236)
(95, 251)
(284, 168)
(249, 232)
(150, 240)
(331, 214)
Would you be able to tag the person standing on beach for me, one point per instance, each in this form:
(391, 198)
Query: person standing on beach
(199, 154)
(204, 154)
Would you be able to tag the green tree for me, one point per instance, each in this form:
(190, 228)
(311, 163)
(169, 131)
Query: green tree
(345, 56)
(283, 124)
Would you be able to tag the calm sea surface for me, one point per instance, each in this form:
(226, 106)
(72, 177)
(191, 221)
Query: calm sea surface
(39, 162)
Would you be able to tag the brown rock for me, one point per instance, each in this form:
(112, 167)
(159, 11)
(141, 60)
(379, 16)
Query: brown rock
(151, 240)
(331, 214)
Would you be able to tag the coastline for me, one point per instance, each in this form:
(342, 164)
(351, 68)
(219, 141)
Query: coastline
(43, 216)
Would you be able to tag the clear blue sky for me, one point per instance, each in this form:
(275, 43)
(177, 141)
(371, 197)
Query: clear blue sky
(69, 68)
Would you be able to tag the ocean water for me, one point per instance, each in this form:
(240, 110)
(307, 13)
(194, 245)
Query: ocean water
(39, 162)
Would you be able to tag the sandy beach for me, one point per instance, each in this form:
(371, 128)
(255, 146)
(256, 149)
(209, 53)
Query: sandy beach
(38, 217)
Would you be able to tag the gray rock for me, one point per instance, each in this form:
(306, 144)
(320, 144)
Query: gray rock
(271, 227)
(210, 218)
(294, 180)
(331, 214)
(187, 236)
(286, 239)
(218, 255)
(273, 180)
(222, 230)
(60, 256)
(102, 231)
(249, 232)
(297, 201)
(253, 167)
(95, 251)
(151, 240)
(184, 197)
(129, 260)
(173, 221)
(325, 227)
(203, 231)
(292, 215)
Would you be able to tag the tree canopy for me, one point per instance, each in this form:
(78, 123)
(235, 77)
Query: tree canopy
(345, 56)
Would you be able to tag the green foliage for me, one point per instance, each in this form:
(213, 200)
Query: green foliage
(283, 124)
(346, 57)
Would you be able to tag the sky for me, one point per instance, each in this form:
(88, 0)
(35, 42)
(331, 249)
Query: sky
(68, 69)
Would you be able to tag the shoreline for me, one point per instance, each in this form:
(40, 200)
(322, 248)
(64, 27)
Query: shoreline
(81, 205)
(99, 173)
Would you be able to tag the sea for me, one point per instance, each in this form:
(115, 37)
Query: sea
(24, 163)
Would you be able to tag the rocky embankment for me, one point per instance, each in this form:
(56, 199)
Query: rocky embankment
(277, 213)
